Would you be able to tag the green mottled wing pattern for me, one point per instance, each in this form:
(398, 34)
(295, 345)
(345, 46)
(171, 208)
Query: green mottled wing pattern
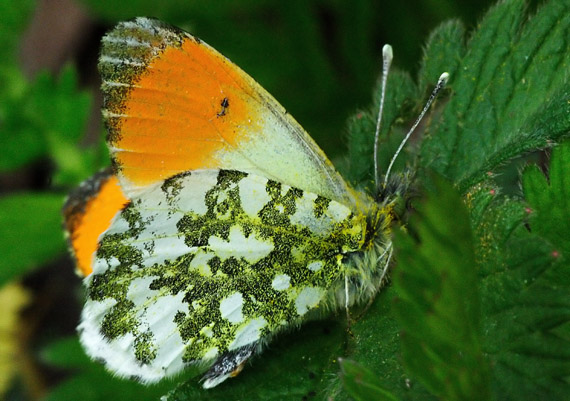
(207, 263)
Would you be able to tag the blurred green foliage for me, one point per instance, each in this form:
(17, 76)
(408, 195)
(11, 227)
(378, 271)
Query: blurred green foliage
(438, 302)
(479, 307)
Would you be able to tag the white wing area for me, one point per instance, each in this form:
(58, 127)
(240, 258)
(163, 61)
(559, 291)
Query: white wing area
(119, 354)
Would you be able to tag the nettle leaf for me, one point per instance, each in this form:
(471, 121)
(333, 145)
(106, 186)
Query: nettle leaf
(361, 383)
(438, 302)
(494, 218)
(442, 53)
(374, 343)
(524, 301)
(510, 94)
(523, 309)
(549, 199)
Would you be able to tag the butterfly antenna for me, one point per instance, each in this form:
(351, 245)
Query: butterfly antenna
(438, 87)
(387, 56)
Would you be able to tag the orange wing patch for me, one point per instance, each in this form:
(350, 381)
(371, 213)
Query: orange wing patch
(88, 213)
(187, 104)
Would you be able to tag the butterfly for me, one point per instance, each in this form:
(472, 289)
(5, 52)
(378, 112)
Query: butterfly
(221, 224)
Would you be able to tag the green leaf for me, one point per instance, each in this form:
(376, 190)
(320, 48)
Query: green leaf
(13, 86)
(91, 382)
(442, 53)
(438, 302)
(57, 105)
(30, 228)
(60, 111)
(15, 16)
(362, 384)
(20, 141)
(524, 301)
(494, 219)
(509, 96)
(523, 308)
(375, 344)
(550, 199)
(18, 145)
(47, 119)
(65, 353)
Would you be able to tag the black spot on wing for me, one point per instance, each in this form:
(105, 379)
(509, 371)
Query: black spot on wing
(225, 104)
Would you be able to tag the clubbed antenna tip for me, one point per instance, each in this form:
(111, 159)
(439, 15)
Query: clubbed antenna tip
(441, 82)
(387, 56)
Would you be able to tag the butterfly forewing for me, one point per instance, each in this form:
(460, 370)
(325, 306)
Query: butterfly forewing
(173, 104)
(88, 212)
(207, 262)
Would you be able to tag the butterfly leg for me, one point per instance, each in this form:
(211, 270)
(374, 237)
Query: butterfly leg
(229, 364)
(346, 300)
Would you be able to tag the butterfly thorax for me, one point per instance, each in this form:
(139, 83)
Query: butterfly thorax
(368, 266)
(365, 268)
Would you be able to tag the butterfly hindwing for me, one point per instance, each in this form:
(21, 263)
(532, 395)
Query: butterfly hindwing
(209, 262)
